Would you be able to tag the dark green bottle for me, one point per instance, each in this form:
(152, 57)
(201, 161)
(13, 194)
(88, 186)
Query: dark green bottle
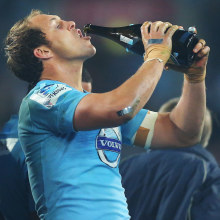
(129, 37)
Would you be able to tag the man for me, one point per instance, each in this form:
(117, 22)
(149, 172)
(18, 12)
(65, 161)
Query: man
(173, 184)
(72, 139)
(16, 201)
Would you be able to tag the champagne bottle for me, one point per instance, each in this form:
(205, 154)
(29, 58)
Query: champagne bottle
(129, 37)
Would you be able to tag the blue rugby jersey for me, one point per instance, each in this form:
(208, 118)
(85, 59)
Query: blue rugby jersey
(16, 201)
(73, 175)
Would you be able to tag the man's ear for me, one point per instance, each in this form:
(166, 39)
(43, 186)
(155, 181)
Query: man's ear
(43, 53)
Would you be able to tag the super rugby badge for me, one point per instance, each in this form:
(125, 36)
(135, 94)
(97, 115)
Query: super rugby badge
(49, 94)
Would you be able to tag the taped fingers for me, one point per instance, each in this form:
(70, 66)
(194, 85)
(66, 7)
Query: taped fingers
(163, 28)
(155, 26)
(145, 23)
(144, 28)
(199, 46)
(204, 52)
(172, 30)
(201, 41)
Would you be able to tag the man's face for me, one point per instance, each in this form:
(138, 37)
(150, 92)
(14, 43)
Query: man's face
(67, 42)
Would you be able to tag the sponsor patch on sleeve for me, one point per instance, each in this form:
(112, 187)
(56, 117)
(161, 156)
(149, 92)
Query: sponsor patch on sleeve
(48, 95)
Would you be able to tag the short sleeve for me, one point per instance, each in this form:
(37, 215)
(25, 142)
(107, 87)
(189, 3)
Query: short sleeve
(129, 129)
(53, 106)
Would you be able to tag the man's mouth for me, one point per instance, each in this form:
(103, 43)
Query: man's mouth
(79, 32)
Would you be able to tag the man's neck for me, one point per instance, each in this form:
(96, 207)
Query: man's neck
(69, 73)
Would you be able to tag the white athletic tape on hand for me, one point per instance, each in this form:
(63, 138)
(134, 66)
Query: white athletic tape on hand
(155, 41)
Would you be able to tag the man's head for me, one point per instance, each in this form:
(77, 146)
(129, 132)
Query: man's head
(86, 80)
(19, 46)
(39, 38)
(207, 129)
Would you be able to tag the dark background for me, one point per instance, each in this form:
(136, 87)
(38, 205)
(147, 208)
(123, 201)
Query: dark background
(112, 65)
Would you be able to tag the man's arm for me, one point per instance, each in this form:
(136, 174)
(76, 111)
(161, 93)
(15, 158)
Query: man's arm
(101, 110)
(183, 125)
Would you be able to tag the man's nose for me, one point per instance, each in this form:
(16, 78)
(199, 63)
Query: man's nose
(71, 25)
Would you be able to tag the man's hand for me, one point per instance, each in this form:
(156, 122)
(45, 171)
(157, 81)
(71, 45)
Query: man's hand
(157, 40)
(197, 71)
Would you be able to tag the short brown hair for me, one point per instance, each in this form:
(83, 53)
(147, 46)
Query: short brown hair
(207, 128)
(19, 48)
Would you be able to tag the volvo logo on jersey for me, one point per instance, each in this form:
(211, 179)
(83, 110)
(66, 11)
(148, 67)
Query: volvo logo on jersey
(108, 145)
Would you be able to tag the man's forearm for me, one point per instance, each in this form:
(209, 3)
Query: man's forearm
(189, 113)
(137, 90)
(133, 93)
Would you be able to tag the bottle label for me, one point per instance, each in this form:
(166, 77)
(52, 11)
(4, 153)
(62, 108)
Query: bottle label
(126, 40)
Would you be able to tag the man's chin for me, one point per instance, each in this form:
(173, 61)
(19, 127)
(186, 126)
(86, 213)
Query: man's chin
(91, 53)
(94, 51)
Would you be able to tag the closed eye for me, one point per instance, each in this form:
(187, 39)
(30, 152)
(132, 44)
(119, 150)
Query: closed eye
(59, 26)
(56, 22)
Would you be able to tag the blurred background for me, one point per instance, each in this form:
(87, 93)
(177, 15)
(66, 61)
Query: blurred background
(112, 65)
